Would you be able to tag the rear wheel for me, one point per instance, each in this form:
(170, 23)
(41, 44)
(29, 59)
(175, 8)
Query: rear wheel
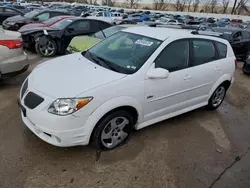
(113, 130)
(217, 98)
(49, 49)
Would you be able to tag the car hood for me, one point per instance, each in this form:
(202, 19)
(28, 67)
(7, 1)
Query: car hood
(25, 31)
(17, 18)
(32, 25)
(69, 76)
(82, 43)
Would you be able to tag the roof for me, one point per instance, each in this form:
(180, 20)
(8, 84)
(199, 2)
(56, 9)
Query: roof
(164, 33)
(157, 32)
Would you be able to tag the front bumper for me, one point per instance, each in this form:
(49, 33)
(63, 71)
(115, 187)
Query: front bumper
(61, 131)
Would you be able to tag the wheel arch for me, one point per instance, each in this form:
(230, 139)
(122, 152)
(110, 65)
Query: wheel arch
(226, 79)
(129, 104)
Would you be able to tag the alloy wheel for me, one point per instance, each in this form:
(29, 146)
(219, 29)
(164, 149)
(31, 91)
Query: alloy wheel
(218, 96)
(47, 49)
(114, 132)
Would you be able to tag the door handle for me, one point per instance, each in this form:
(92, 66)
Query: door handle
(187, 77)
(217, 69)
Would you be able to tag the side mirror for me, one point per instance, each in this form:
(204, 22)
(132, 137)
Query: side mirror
(157, 73)
(36, 19)
(70, 29)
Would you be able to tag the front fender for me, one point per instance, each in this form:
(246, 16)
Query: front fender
(107, 107)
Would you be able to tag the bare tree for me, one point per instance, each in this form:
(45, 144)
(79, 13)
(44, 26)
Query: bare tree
(196, 4)
(213, 4)
(132, 3)
(108, 2)
(235, 2)
(161, 4)
(180, 5)
(92, 2)
(189, 2)
(206, 5)
(225, 4)
(240, 7)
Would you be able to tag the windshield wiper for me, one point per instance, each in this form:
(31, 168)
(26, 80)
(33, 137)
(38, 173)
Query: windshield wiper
(108, 64)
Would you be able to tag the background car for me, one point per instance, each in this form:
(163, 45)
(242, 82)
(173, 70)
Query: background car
(21, 8)
(6, 12)
(46, 23)
(16, 22)
(239, 40)
(81, 43)
(246, 66)
(12, 57)
(55, 39)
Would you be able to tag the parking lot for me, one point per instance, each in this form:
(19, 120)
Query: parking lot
(197, 149)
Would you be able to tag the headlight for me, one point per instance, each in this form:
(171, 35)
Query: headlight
(65, 107)
(11, 23)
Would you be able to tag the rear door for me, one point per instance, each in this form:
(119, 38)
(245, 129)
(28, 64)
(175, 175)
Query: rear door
(204, 70)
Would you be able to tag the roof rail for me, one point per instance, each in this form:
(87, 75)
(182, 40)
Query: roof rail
(208, 33)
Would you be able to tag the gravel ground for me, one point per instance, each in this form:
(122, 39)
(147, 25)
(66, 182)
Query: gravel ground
(198, 149)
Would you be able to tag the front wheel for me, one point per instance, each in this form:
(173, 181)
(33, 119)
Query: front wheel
(217, 98)
(49, 49)
(113, 130)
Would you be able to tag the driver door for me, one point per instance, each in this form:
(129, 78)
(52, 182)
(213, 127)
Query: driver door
(169, 95)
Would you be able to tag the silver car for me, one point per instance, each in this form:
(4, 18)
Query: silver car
(13, 60)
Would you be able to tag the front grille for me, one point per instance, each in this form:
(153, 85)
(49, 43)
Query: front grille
(32, 100)
(24, 88)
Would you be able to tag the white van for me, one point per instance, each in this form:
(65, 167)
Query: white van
(130, 80)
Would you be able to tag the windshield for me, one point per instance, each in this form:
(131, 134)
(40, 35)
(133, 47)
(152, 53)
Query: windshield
(123, 52)
(62, 24)
(108, 32)
(31, 14)
(51, 20)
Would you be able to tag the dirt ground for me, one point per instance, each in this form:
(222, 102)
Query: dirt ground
(195, 150)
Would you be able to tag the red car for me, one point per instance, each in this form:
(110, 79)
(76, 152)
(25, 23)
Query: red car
(46, 23)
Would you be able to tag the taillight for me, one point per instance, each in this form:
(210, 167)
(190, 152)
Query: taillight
(235, 62)
(11, 44)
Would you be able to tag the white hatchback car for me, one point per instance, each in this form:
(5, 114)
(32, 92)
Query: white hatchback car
(132, 79)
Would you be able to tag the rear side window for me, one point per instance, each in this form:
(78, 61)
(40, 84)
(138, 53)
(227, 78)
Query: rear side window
(222, 50)
(203, 52)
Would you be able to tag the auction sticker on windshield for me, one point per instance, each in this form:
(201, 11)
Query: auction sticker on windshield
(143, 42)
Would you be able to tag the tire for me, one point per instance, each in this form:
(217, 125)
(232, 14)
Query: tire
(48, 50)
(108, 135)
(217, 97)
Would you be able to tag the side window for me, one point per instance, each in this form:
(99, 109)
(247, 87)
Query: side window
(245, 35)
(174, 57)
(43, 16)
(10, 10)
(81, 25)
(203, 52)
(101, 25)
(237, 36)
(53, 14)
(222, 50)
